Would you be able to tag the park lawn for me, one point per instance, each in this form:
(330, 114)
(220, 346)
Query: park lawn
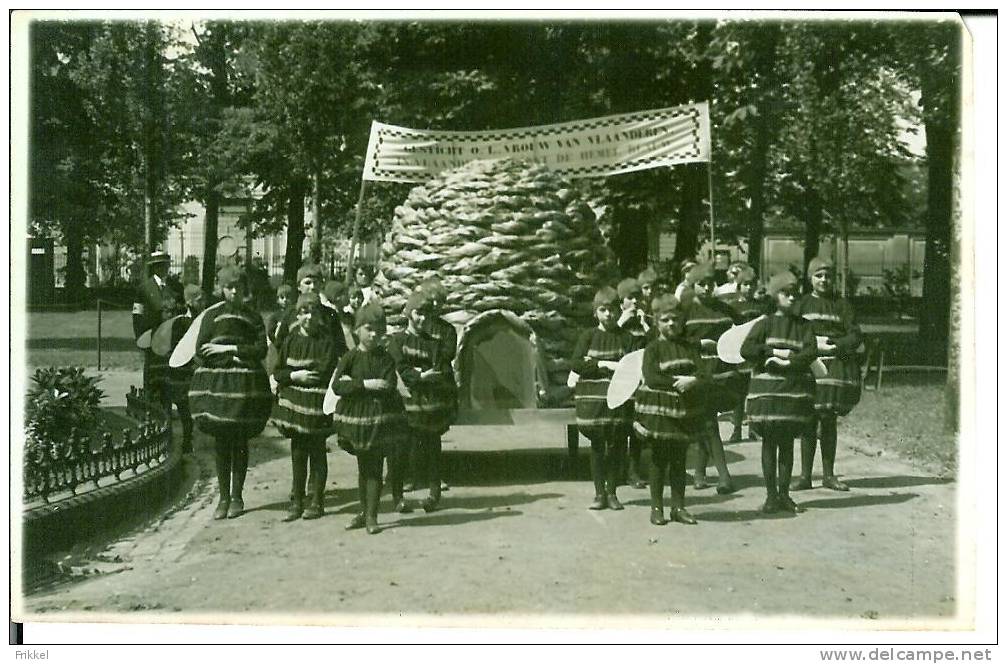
(71, 339)
(905, 418)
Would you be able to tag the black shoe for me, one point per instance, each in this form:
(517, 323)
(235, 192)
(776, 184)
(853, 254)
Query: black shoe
(295, 511)
(357, 522)
(699, 482)
(788, 505)
(771, 505)
(657, 516)
(725, 488)
(315, 510)
(430, 504)
(221, 511)
(613, 502)
(600, 503)
(402, 507)
(372, 527)
(833, 482)
(682, 515)
(735, 436)
(236, 508)
(800, 484)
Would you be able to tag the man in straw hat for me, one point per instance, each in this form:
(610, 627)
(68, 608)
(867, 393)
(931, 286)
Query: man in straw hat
(147, 314)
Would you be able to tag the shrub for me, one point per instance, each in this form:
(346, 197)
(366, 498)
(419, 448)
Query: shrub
(61, 399)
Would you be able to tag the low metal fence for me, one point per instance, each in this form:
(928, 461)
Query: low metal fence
(81, 462)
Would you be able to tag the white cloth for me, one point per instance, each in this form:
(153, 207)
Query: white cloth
(726, 289)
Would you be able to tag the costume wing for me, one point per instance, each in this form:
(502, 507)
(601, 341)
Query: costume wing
(160, 341)
(186, 347)
(143, 341)
(331, 398)
(729, 343)
(627, 377)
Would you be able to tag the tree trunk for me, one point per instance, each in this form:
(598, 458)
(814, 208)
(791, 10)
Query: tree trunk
(76, 276)
(764, 124)
(812, 226)
(316, 213)
(150, 157)
(934, 314)
(295, 232)
(210, 232)
(953, 385)
(692, 213)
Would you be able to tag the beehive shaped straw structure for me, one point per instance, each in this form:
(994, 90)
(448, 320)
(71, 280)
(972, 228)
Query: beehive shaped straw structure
(507, 235)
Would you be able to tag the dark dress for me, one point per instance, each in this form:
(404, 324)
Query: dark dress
(432, 404)
(368, 420)
(707, 320)
(839, 391)
(180, 378)
(298, 410)
(663, 415)
(780, 399)
(594, 418)
(229, 393)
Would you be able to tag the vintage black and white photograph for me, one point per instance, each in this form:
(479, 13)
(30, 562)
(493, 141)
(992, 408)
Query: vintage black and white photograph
(339, 319)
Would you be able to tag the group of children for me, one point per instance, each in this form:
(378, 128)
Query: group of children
(685, 386)
(397, 397)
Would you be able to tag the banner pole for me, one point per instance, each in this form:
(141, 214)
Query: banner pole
(356, 232)
(709, 184)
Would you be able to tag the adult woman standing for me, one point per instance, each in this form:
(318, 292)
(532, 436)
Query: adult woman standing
(229, 394)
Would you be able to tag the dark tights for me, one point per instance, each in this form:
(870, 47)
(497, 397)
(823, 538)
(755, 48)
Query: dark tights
(635, 457)
(667, 460)
(369, 466)
(607, 455)
(825, 424)
(305, 452)
(421, 457)
(777, 462)
(232, 465)
(711, 446)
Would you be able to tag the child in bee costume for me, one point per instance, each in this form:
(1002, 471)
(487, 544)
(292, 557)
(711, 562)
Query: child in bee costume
(180, 378)
(443, 333)
(669, 409)
(229, 393)
(781, 394)
(708, 318)
(634, 319)
(370, 417)
(746, 308)
(304, 368)
(838, 339)
(431, 405)
(595, 356)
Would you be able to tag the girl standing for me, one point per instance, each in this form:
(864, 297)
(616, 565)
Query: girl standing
(780, 405)
(708, 318)
(305, 364)
(838, 337)
(180, 378)
(433, 396)
(370, 418)
(746, 308)
(595, 356)
(229, 393)
(669, 409)
(634, 320)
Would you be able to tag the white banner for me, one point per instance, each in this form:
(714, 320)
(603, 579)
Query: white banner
(579, 149)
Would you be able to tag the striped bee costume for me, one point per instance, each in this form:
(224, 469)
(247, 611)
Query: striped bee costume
(594, 418)
(229, 392)
(839, 391)
(780, 397)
